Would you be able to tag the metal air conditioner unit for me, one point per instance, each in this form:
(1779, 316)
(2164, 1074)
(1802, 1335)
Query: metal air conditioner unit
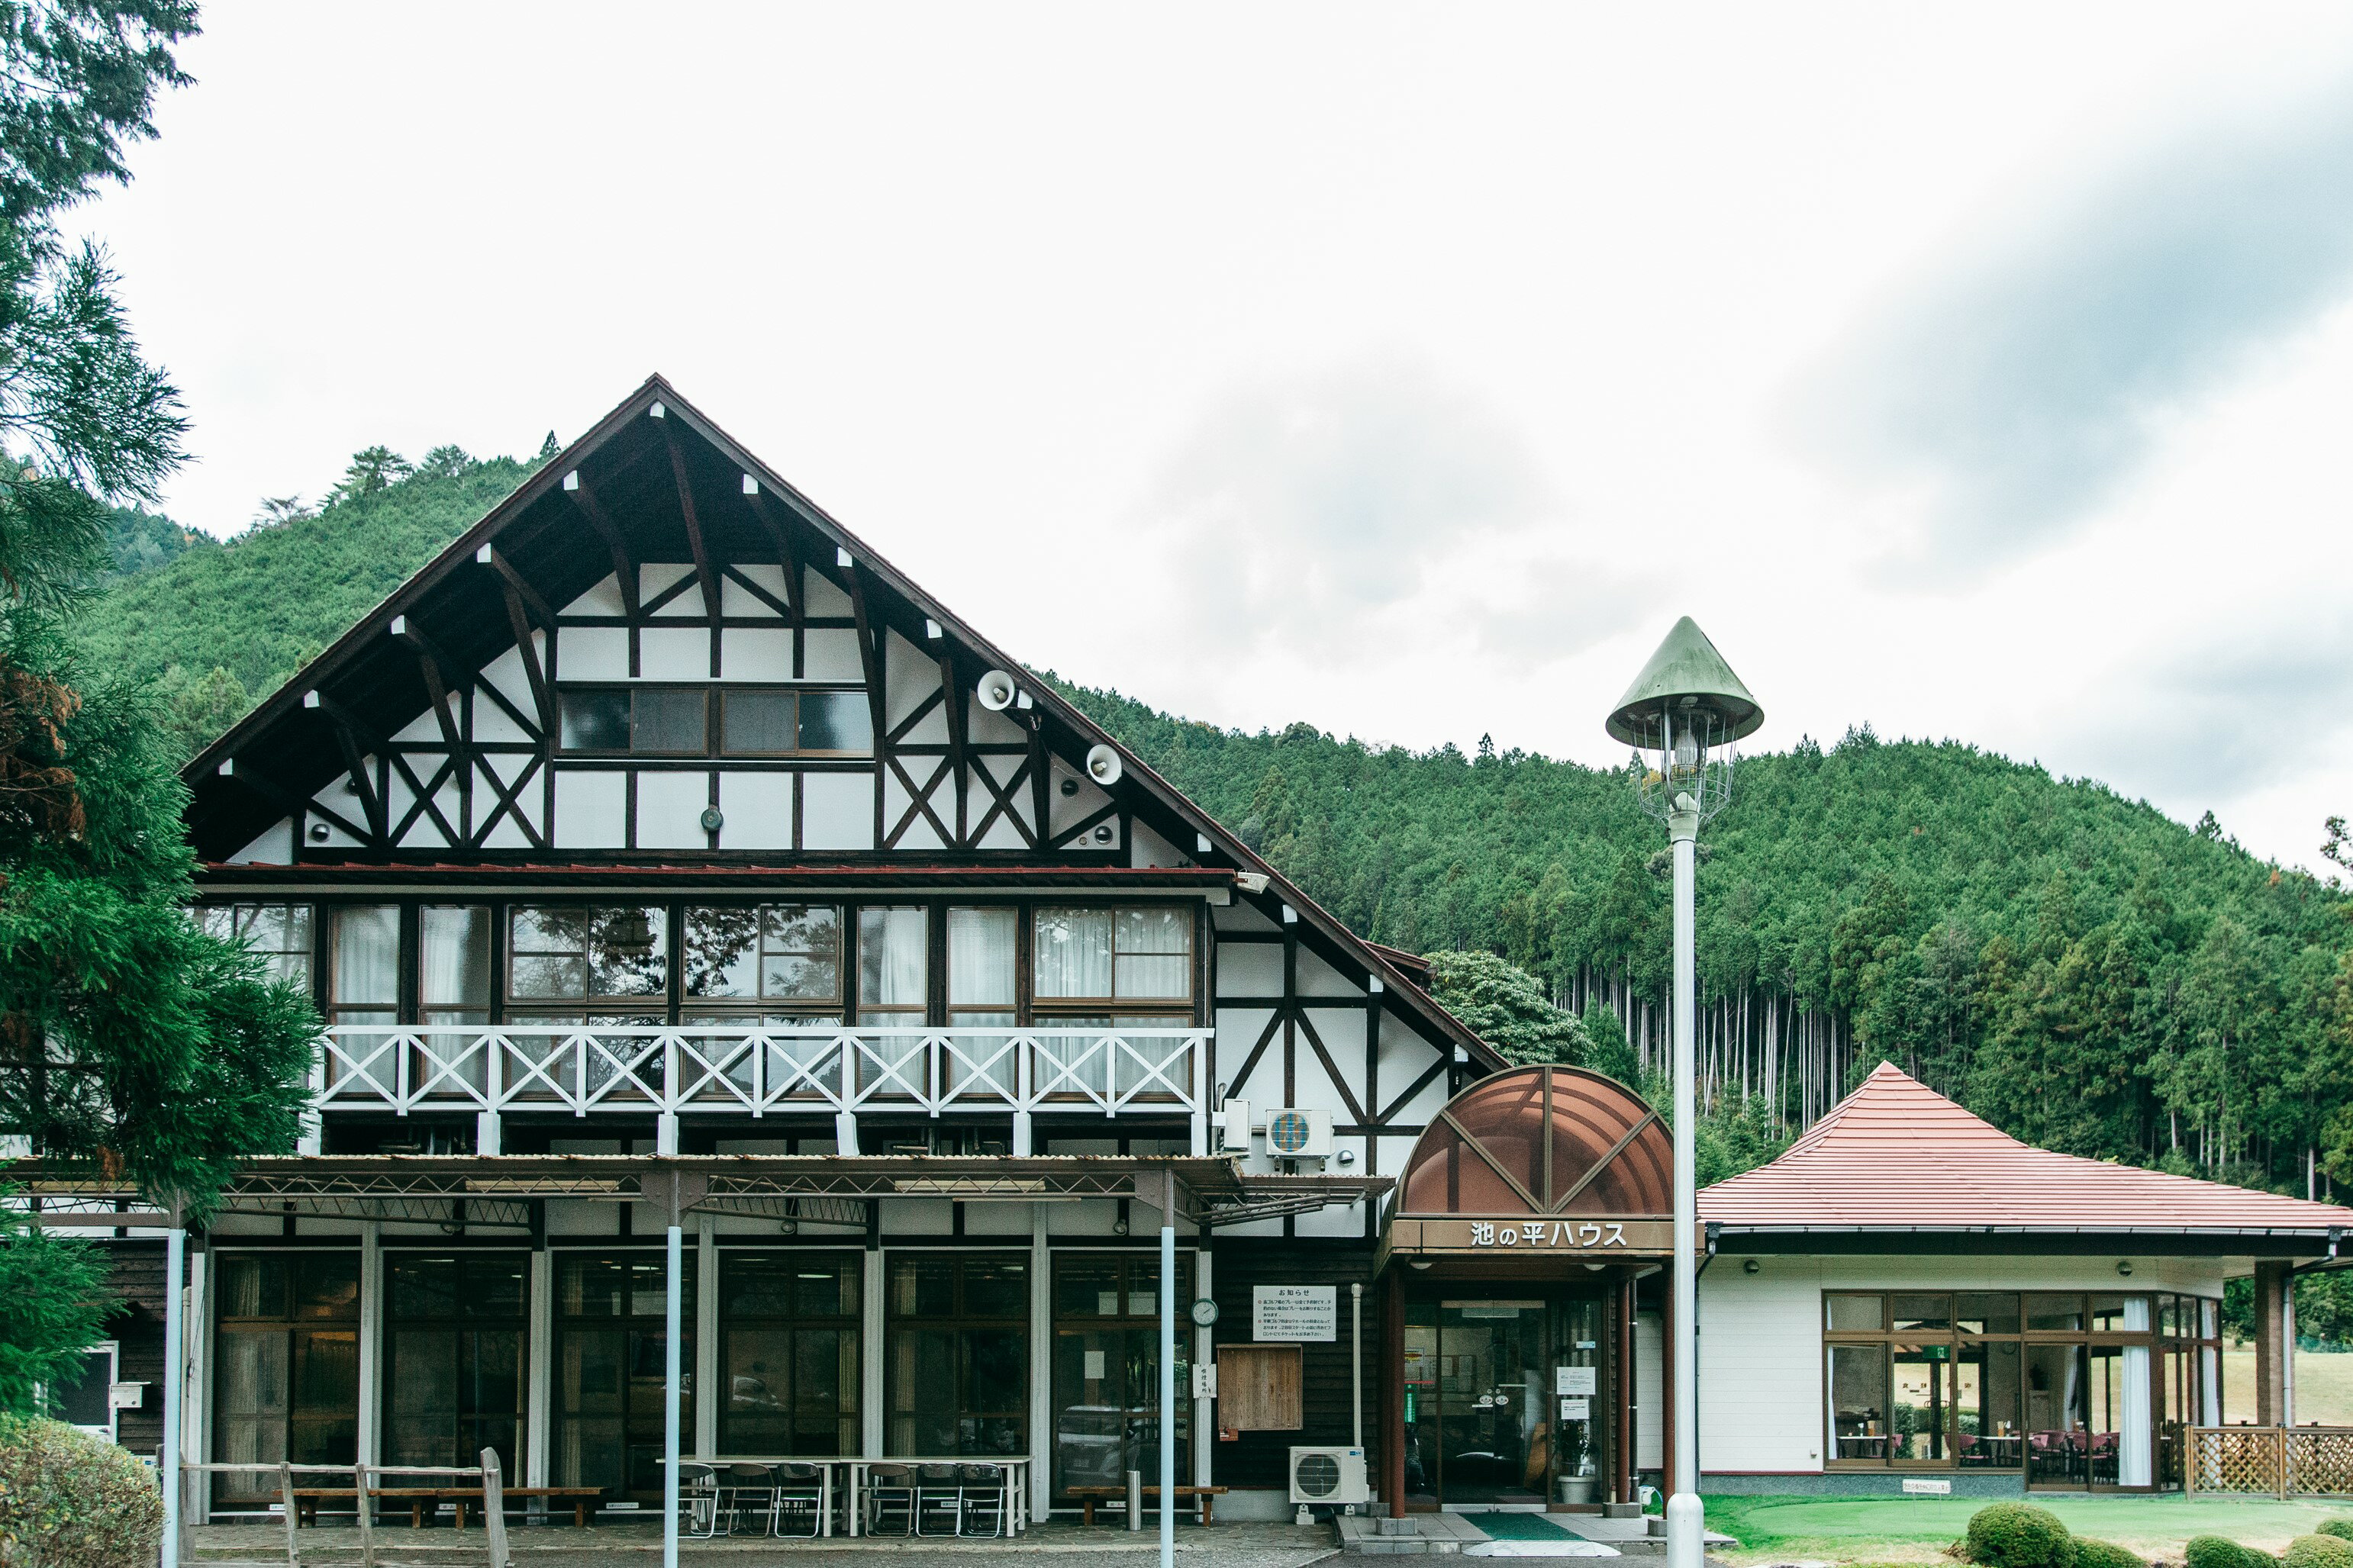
(1296, 1133)
(1332, 1476)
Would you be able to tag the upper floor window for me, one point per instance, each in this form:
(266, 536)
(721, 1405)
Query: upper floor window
(780, 961)
(277, 934)
(727, 721)
(1106, 956)
(609, 965)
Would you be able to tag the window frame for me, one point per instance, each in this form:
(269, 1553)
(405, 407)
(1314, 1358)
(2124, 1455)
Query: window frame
(457, 1326)
(850, 1408)
(715, 694)
(1958, 1342)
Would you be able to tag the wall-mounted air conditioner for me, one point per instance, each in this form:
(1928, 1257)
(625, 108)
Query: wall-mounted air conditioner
(1328, 1475)
(1234, 1127)
(1293, 1132)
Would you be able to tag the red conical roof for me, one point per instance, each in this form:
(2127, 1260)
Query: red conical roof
(1897, 1155)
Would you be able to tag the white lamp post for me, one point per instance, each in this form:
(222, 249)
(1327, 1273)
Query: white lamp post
(1684, 713)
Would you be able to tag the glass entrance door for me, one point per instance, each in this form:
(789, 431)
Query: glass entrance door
(1504, 1402)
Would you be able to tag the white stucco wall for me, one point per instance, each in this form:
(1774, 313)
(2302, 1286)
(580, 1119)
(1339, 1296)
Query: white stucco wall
(1760, 1342)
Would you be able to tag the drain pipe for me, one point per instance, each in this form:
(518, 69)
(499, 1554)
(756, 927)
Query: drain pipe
(1356, 1361)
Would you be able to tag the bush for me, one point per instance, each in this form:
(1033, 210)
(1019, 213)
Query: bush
(71, 1500)
(2020, 1535)
(2107, 1554)
(2213, 1551)
(2319, 1552)
(2340, 1528)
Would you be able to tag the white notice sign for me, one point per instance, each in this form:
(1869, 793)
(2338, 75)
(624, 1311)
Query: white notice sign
(1295, 1312)
(1573, 1380)
(1577, 1410)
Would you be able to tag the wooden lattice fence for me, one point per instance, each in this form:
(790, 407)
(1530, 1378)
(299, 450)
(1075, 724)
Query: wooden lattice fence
(2269, 1461)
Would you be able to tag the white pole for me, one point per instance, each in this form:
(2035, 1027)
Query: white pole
(175, 1360)
(671, 1391)
(1684, 1510)
(1356, 1363)
(1167, 1370)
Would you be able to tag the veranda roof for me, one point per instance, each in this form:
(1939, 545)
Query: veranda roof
(1896, 1156)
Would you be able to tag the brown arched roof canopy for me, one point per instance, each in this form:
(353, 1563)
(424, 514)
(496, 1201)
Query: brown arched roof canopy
(1542, 1141)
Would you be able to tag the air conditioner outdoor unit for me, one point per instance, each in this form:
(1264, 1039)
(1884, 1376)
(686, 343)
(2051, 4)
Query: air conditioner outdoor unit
(1328, 1475)
(1234, 1127)
(1296, 1133)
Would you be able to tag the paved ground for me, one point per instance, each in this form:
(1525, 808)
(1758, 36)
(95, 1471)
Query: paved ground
(633, 1546)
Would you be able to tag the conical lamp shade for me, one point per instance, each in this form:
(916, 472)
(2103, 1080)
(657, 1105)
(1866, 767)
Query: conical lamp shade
(1686, 673)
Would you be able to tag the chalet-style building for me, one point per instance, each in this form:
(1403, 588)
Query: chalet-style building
(659, 853)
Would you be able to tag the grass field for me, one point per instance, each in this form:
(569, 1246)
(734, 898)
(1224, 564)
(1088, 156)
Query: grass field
(2324, 1387)
(1917, 1529)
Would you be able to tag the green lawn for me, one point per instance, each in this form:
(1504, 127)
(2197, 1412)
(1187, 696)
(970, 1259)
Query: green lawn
(1917, 1529)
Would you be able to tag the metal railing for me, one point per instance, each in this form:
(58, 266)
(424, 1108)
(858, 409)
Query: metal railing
(2269, 1461)
(363, 1479)
(759, 1069)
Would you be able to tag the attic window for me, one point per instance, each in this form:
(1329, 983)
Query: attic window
(699, 722)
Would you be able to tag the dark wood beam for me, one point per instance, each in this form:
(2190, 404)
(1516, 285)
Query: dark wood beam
(296, 806)
(703, 572)
(435, 666)
(869, 651)
(347, 740)
(518, 585)
(625, 565)
(780, 535)
(1041, 791)
(519, 619)
(957, 742)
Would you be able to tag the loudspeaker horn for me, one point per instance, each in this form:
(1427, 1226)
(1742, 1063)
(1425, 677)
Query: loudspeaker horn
(1104, 765)
(996, 691)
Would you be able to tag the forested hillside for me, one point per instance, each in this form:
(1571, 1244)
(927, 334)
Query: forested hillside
(2073, 965)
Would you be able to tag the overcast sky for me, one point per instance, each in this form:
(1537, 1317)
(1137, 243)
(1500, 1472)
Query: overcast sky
(1979, 372)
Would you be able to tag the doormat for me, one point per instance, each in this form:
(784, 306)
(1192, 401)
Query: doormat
(1521, 1527)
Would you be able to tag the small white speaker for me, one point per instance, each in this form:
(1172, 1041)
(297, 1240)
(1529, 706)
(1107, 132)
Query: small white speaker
(996, 691)
(1104, 765)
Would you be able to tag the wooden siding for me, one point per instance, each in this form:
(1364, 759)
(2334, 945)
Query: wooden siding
(1263, 1459)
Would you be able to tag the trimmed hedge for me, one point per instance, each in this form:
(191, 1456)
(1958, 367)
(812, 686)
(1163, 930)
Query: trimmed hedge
(2107, 1554)
(2213, 1551)
(71, 1500)
(2340, 1528)
(2319, 1552)
(2019, 1535)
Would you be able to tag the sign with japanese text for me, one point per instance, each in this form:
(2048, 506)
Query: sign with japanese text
(1295, 1312)
(1500, 1237)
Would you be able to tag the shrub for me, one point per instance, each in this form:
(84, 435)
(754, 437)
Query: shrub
(2340, 1528)
(71, 1500)
(2020, 1535)
(2213, 1551)
(2107, 1554)
(2319, 1552)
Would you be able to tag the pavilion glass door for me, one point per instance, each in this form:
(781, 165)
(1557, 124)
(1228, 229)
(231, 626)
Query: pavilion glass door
(1505, 1400)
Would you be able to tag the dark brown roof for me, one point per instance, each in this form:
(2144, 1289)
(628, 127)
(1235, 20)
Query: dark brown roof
(1896, 1155)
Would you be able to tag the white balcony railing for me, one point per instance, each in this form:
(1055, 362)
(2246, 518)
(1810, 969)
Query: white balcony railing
(759, 1070)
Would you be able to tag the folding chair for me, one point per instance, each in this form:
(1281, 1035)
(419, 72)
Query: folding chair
(799, 1499)
(982, 1491)
(889, 1486)
(698, 1501)
(939, 1487)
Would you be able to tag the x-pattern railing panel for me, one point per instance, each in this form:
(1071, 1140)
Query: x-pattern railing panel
(720, 1067)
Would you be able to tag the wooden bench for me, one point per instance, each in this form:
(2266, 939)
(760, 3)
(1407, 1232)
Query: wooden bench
(307, 1499)
(1089, 1496)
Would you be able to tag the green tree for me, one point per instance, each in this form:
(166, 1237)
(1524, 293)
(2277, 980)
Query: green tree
(372, 468)
(1506, 1007)
(1606, 1051)
(53, 1306)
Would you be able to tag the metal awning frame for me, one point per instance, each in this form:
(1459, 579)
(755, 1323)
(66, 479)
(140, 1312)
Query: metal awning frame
(497, 1190)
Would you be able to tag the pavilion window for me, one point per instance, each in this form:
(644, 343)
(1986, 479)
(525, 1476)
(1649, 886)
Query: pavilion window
(454, 1358)
(579, 964)
(287, 1371)
(957, 1356)
(789, 1346)
(611, 1335)
(894, 989)
(984, 990)
(2060, 1383)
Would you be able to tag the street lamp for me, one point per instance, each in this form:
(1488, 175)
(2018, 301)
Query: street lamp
(1684, 714)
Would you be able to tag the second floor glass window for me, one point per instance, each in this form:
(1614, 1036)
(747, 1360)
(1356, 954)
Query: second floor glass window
(777, 963)
(278, 934)
(366, 979)
(724, 720)
(595, 965)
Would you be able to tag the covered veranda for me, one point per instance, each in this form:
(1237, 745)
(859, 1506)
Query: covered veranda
(825, 1495)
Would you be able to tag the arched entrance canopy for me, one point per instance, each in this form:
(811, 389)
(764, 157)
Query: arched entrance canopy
(1538, 1160)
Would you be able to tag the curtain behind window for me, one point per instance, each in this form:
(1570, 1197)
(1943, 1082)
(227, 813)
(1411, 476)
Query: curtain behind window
(367, 965)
